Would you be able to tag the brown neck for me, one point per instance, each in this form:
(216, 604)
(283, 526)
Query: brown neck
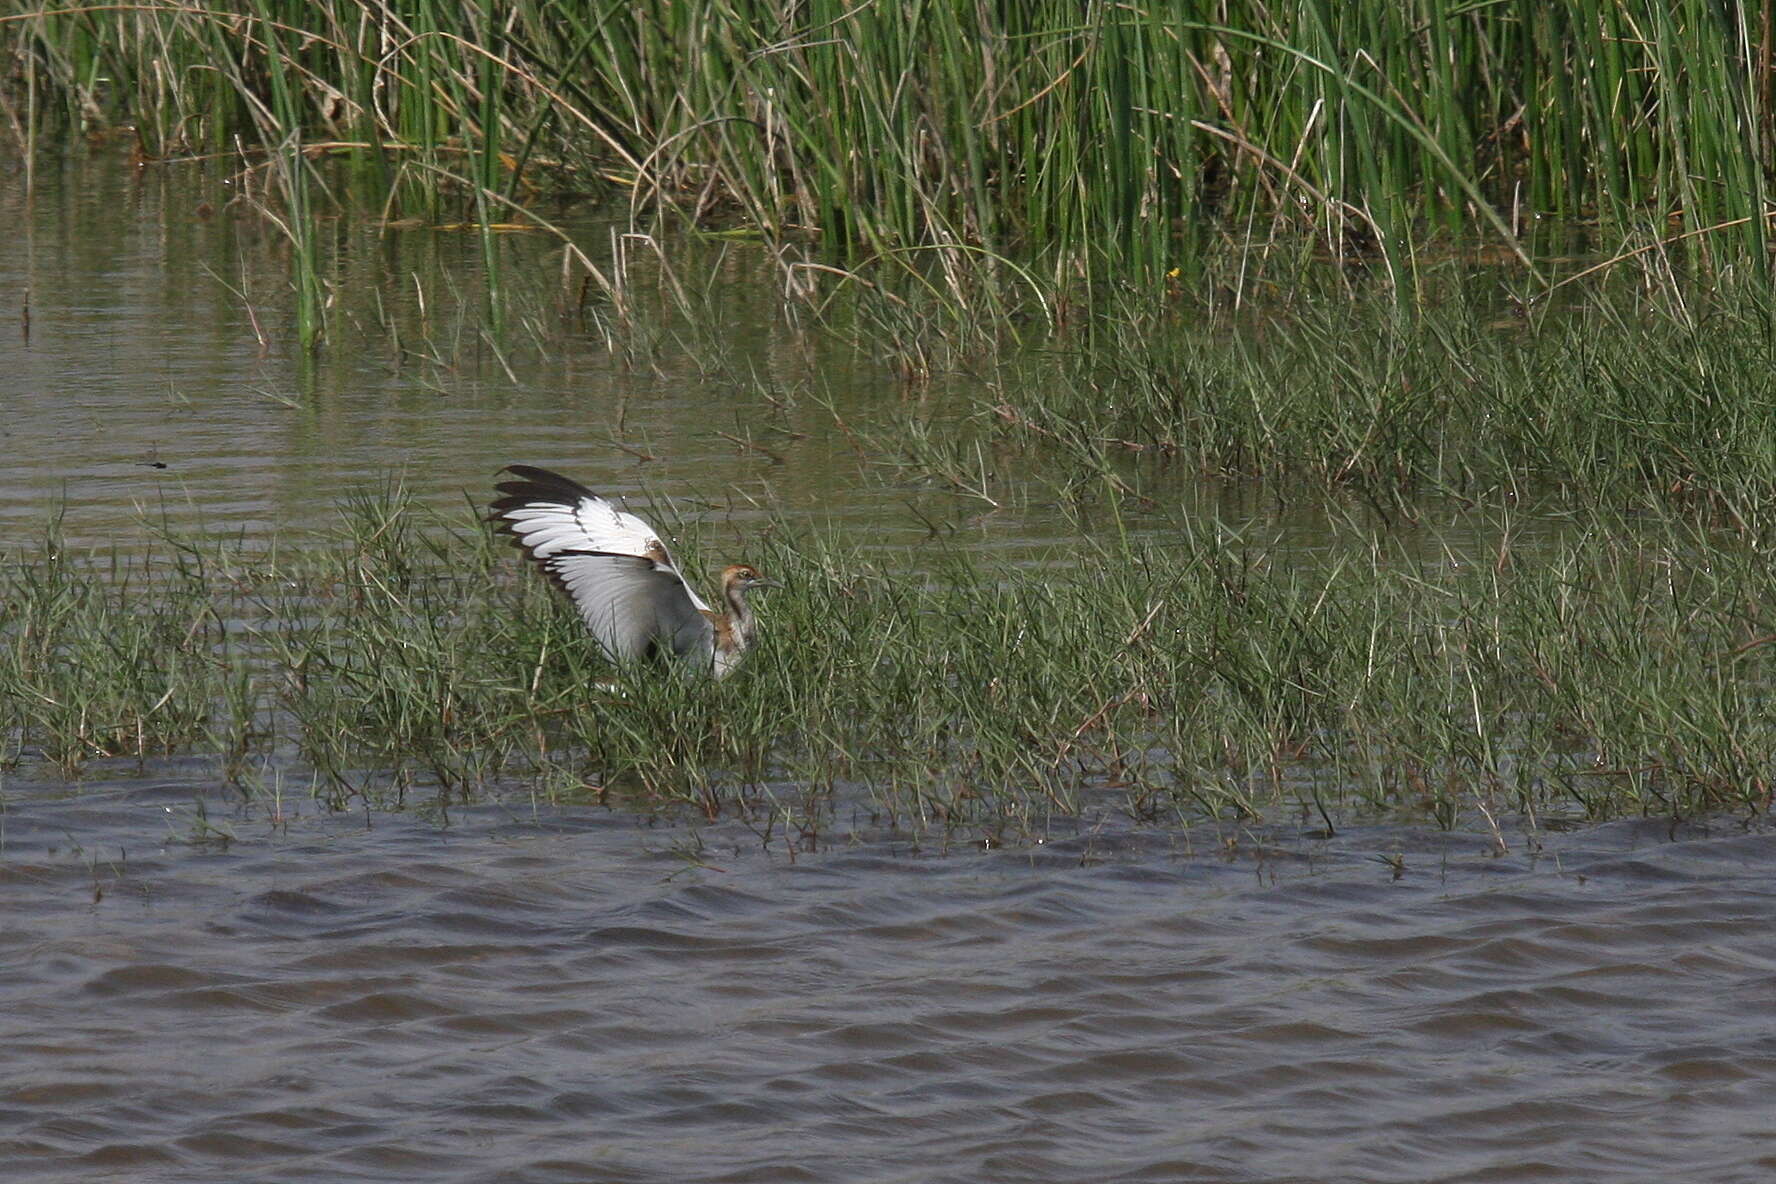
(739, 614)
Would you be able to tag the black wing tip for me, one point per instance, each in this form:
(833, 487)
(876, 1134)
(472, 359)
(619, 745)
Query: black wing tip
(534, 485)
(533, 473)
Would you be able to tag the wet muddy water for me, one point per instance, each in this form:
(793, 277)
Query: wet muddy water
(576, 996)
(192, 988)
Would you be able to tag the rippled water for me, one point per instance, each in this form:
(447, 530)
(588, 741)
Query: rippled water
(196, 988)
(574, 995)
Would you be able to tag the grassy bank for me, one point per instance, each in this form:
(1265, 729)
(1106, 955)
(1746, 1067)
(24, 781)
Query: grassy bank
(1096, 142)
(1616, 668)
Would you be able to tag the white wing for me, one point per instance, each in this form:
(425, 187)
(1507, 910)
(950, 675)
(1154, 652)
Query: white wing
(620, 575)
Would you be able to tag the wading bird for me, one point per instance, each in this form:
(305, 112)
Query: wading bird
(621, 577)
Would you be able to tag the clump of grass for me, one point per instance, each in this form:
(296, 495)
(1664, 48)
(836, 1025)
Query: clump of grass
(1620, 667)
(108, 658)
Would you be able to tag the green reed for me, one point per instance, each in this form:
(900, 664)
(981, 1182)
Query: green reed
(1092, 144)
(1614, 664)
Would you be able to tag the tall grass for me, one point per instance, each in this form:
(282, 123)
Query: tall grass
(1094, 142)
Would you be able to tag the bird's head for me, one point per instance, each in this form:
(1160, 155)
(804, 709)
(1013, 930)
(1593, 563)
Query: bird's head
(744, 577)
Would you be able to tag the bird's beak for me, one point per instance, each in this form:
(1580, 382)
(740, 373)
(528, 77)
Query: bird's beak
(764, 583)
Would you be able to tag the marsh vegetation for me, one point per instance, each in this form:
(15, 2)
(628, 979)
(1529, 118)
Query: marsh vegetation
(1025, 158)
(1489, 291)
(1614, 663)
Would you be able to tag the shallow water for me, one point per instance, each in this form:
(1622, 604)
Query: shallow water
(193, 988)
(148, 379)
(147, 374)
(143, 389)
(574, 995)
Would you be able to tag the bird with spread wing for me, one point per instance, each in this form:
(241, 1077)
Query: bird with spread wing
(613, 566)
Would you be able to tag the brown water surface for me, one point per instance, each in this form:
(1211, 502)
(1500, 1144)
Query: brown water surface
(571, 995)
(148, 374)
(197, 988)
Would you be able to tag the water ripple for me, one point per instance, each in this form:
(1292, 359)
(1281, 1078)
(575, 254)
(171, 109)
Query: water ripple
(511, 1004)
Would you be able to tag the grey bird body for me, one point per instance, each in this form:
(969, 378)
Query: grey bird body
(613, 566)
